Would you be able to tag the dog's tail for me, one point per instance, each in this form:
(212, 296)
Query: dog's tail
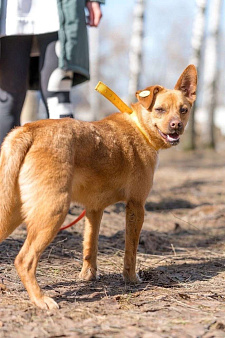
(13, 152)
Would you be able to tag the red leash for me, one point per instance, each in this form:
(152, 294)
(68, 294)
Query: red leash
(75, 221)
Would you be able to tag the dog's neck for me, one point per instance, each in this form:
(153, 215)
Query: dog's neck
(136, 118)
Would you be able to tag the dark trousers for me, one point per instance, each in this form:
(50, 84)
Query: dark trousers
(14, 72)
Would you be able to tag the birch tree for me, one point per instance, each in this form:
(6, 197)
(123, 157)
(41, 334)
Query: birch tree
(211, 71)
(136, 49)
(196, 45)
(94, 73)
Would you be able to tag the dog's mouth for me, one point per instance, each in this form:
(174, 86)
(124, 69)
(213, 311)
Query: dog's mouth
(173, 138)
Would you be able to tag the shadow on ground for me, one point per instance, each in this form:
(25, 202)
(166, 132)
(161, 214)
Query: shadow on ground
(175, 275)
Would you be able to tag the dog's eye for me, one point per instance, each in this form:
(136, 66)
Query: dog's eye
(183, 110)
(159, 110)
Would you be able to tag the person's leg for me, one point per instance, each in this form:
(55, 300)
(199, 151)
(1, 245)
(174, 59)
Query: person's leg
(55, 82)
(14, 67)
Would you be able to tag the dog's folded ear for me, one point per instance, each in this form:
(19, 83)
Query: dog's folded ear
(146, 96)
(187, 83)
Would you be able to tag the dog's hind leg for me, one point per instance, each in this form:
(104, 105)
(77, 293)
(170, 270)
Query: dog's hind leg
(90, 244)
(40, 232)
(134, 222)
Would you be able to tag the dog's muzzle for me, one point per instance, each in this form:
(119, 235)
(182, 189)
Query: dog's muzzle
(172, 138)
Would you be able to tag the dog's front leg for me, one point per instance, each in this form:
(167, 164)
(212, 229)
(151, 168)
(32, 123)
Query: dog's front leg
(134, 221)
(90, 244)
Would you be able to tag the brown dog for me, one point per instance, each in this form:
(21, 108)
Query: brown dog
(46, 164)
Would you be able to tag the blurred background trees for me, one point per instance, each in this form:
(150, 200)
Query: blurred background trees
(136, 49)
(211, 71)
(146, 42)
(195, 58)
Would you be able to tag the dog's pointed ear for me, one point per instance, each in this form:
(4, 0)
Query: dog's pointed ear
(187, 83)
(146, 96)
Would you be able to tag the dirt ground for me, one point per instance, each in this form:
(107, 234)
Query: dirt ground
(181, 260)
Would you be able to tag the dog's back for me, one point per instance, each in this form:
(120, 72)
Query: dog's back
(96, 164)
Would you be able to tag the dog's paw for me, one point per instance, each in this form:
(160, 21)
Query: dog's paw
(45, 303)
(88, 274)
(135, 279)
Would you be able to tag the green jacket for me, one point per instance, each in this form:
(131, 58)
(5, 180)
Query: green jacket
(73, 38)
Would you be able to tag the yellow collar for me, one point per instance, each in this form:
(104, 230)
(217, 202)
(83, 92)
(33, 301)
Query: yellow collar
(116, 100)
(113, 98)
(134, 117)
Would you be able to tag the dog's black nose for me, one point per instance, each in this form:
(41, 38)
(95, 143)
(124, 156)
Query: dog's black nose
(176, 124)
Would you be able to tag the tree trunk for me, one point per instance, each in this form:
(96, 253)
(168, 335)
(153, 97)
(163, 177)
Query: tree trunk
(211, 72)
(136, 49)
(94, 73)
(196, 43)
